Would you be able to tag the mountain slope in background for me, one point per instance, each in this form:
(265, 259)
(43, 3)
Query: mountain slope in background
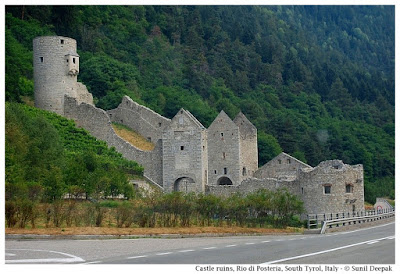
(317, 81)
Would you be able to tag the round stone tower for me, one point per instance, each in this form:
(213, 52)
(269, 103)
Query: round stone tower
(55, 70)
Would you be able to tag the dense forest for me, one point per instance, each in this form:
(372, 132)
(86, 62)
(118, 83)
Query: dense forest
(317, 81)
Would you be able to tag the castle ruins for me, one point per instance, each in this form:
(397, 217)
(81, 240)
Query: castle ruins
(221, 159)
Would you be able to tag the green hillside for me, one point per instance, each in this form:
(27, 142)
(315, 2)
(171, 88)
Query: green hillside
(47, 157)
(317, 81)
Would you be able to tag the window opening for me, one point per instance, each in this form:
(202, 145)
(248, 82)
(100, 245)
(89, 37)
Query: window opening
(223, 155)
(225, 170)
(244, 171)
(182, 147)
(73, 60)
(288, 161)
(62, 41)
(41, 59)
(215, 171)
(349, 188)
(327, 189)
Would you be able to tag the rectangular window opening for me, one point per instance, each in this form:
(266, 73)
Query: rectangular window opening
(182, 147)
(225, 170)
(73, 60)
(327, 189)
(41, 59)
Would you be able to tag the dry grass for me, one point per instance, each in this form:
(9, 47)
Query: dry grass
(132, 137)
(149, 231)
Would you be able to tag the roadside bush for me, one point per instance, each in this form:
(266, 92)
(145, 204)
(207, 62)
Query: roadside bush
(11, 213)
(124, 214)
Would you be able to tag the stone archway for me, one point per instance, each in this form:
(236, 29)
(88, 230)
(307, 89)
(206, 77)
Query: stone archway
(184, 184)
(224, 181)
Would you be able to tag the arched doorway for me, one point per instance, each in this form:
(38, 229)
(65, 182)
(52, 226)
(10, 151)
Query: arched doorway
(184, 184)
(224, 181)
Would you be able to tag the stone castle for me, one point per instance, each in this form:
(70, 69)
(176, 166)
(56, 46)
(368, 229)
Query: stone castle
(221, 159)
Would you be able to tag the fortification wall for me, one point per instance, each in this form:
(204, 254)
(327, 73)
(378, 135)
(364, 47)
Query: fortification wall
(141, 119)
(97, 122)
(253, 184)
(282, 166)
(248, 147)
(344, 182)
(183, 154)
(223, 151)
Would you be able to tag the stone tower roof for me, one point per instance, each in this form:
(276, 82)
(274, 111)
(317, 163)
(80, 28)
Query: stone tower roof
(178, 121)
(224, 119)
(245, 126)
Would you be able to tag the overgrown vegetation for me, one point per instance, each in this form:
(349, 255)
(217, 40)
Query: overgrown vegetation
(47, 158)
(317, 81)
(263, 208)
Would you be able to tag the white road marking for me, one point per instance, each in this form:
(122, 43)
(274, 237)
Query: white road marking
(10, 254)
(372, 242)
(249, 243)
(137, 257)
(71, 259)
(320, 252)
(265, 241)
(187, 250)
(164, 253)
(230, 245)
(95, 262)
(211, 247)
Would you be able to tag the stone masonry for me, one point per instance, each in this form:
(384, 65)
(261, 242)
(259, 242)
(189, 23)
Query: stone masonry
(188, 157)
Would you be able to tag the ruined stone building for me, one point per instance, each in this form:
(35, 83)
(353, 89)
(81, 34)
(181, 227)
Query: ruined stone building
(221, 159)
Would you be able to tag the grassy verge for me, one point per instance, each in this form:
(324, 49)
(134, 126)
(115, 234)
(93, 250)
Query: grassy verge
(151, 231)
(132, 137)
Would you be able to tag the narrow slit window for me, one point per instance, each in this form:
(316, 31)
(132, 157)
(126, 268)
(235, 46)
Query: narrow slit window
(41, 59)
(182, 147)
(73, 60)
(225, 170)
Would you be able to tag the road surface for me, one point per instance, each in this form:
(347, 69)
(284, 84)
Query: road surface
(374, 245)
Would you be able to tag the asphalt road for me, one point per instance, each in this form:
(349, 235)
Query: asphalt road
(374, 245)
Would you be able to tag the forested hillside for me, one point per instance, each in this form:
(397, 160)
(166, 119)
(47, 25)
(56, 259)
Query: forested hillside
(317, 81)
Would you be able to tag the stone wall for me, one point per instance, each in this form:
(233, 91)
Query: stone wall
(248, 147)
(282, 166)
(223, 151)
(344, 183)
(56, 66)
(253, 184)
(141, 119)
(97, 122)
(183, 149)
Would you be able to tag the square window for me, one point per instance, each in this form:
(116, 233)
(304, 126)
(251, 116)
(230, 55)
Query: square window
(62, 41)
(327, 189)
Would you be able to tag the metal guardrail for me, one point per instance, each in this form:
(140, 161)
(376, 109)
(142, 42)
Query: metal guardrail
(355, 220)
(314, 221)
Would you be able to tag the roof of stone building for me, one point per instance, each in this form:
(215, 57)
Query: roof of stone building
(190, 116)
(288, 156)
(224, 119)
(243, 123)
